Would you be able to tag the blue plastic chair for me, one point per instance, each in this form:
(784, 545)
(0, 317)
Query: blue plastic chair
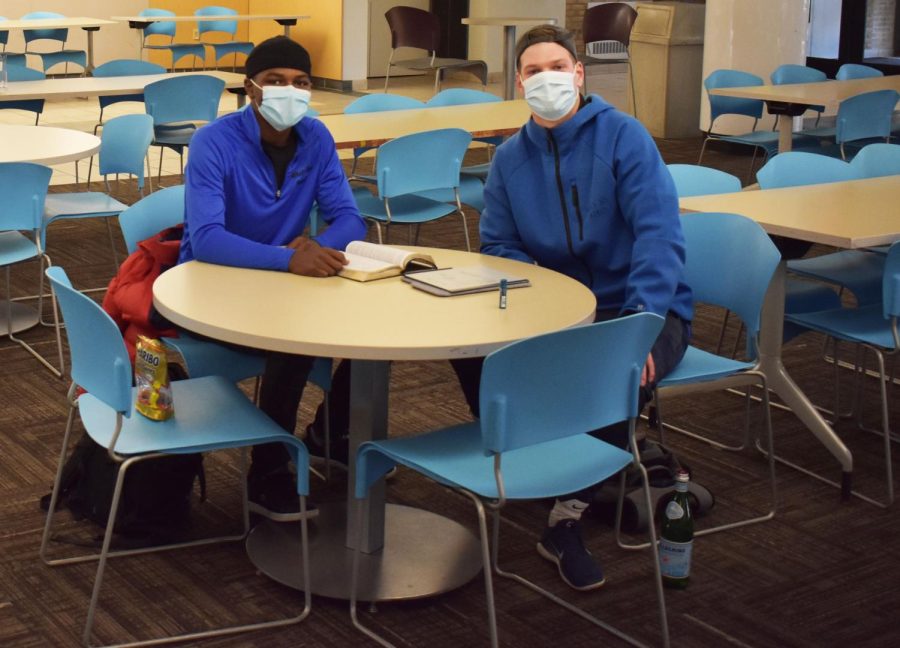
(123, 67)
(694, 180)
(718, 106)
(874, 327)
(148, 216)
(166, 28)
(790, 73)
(12, 58)
(175, 104)
(864, 118)
(123, 149)
(222, 26)
(856, 270)
(376, 103)
(63, 55)
(22, 73)
(23, 187)
(411, 164)
(857, 71)
(464, 96)
(538, 399)
(211, 413)
(876, 160)
(730, 261)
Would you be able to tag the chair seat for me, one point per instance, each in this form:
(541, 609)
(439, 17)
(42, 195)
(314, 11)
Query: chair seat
(857, 270)
(471, 192)
(479, 171)
(223, 49)
(404, 209)
(49, 59)
(15, 247)
(207, 358)
(210, 413)
(865, 324)
(701, 366)
(426, 63)
(85, 204)
(454, 456)
(173, 135)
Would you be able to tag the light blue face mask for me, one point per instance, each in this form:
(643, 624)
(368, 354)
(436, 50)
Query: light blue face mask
(550, 95)
(283, 106)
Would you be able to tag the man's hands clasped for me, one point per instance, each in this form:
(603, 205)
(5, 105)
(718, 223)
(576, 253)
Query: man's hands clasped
(312, 260)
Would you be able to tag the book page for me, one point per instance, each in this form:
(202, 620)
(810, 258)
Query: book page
(387, 255)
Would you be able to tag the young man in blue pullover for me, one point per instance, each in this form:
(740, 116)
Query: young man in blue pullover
(581, 189)
(250, 183)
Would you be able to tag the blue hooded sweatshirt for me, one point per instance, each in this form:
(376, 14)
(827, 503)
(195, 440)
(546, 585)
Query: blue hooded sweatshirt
(234, 212)
(591, 199)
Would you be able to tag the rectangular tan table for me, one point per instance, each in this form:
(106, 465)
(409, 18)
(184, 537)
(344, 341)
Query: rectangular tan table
(69, 88)
(373, 129)
(90, 25)
(851, 215)
(792, 99)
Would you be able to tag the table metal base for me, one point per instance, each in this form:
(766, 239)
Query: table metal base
(23, 317)
(424, 554)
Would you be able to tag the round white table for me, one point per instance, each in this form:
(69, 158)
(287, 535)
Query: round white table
(45, 144)
(373, 323)
(41, 145)
(509, 43)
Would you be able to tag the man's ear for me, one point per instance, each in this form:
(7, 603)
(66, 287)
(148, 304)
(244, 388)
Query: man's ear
(579, 75)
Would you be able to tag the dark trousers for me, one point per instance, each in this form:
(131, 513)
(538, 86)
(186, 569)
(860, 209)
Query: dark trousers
(667, 352)
(279, 397)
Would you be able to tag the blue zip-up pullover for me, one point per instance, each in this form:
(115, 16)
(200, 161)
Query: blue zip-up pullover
(593, 200)
(234, 212)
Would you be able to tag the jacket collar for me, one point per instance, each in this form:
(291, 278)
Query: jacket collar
(567, 133)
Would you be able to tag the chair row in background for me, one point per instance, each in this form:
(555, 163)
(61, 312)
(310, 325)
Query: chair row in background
(218, 22)
(860, 119)
(48, 59)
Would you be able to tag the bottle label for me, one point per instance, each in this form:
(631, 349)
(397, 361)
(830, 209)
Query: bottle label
(674, 510)
(675, 558)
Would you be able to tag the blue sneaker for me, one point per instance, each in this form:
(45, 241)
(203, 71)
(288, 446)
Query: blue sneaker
(562, 545)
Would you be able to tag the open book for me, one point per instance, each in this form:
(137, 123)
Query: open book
(463, 281)
(368, 261)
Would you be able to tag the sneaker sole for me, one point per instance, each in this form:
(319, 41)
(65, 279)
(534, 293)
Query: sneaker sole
(555, 560)
(282, 517)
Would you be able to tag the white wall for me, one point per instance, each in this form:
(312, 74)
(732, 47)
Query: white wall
(755, 36)
(111, 42)
(486, 43)
(355, 47)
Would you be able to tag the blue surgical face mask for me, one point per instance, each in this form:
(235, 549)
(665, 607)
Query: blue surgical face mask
(283, 106)
(551, 95)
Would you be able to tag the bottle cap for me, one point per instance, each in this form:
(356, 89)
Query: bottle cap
(682, 475)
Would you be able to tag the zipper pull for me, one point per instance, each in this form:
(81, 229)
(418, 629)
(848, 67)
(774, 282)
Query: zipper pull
(277, 194)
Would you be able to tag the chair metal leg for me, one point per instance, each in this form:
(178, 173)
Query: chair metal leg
(703, 149)
(22, 343)
(354, 580)
(633, 93)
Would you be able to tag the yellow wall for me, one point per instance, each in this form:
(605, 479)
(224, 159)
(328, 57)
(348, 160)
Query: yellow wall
(321, 34)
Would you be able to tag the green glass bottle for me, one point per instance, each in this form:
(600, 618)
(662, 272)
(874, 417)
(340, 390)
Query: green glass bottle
(677, 536)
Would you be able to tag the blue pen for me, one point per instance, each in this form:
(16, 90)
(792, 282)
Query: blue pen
(503, 293)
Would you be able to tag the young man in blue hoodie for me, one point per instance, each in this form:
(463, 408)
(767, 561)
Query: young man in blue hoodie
(581, 189)
(250, 183)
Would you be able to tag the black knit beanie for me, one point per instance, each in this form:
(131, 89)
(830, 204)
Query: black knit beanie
(278, 52)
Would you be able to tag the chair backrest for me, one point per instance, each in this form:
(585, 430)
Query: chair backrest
(124, 144)
(160, 27)
(729, 262)
(421, 162)
(890, 295)
(23, 186)
(22, 73)
(795, 168)
(100, 362)
(857, 71)
(127, 67)
(564, 383)
(4, 35)
(875, 160)
(381, 102)
(732, 105)
(461, 96)
(790, 73)
(185, 98)
(154, 213)
(866, 115)
(225, 26)
(695, 180)
(30, 35)
(411, 27)
(608, 22)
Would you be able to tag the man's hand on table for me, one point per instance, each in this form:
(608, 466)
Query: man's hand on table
(312, 260)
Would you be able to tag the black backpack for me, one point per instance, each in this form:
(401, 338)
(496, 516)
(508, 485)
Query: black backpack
(155, 506)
